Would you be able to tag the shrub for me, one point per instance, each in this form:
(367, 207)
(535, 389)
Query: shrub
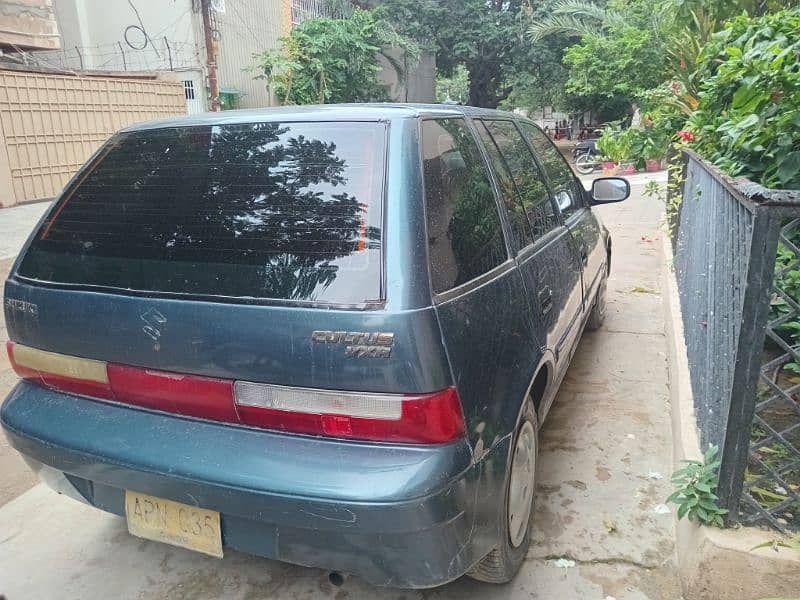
(748, 117)
(326, 60)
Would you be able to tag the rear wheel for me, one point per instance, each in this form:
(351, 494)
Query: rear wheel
(585, 164)
(598, 314)
(503, 562)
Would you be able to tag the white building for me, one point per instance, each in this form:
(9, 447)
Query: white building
(166, 36)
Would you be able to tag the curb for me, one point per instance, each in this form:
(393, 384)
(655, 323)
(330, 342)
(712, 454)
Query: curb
(714, 563)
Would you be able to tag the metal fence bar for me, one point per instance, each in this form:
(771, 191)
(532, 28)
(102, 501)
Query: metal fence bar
(755, 310)
(742, 328)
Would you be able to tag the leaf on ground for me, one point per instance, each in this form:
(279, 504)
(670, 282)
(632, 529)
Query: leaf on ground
(642, 290)
(610, 525)
(661, 509)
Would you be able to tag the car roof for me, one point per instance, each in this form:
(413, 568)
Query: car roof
(323, 112)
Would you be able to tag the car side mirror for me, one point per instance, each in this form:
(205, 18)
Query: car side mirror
(606, 190)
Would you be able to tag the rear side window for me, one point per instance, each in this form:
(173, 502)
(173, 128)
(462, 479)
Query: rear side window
(465, 238)
(520, 226)
(528, 179)
(288, 211)
(567, 194)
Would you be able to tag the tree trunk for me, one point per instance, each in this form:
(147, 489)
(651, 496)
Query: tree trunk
(482, 88)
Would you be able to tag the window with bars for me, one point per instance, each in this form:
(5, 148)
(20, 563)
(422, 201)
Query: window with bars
(188, 89)
(307, 9)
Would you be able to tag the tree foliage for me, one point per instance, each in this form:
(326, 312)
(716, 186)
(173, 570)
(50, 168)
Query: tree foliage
(454, 88)
(747, 120)
(482, 35)
(327, 60)
(623, 64)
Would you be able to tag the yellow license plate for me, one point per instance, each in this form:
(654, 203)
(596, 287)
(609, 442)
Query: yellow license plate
(173, 523)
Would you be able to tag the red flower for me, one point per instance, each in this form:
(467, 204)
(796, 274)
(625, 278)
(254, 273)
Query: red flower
(676, 87)
(686, 135)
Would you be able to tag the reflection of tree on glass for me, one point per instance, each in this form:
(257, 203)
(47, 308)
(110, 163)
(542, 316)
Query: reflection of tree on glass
(530, 184)
(268, 210)
(461, 206)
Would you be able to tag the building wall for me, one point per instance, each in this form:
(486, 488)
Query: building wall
(28, 24)
(108, 35)
(248, 27)
(418, 83)
(51, 124)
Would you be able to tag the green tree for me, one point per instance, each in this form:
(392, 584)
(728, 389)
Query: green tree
(485, 36)
(455, 88)
(571, 18)
(328, 60)
(616, 68)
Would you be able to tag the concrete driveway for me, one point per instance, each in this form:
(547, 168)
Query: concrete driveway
(600, 530)
(16, 224)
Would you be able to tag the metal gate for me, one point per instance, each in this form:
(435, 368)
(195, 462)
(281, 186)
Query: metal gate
(50, 124)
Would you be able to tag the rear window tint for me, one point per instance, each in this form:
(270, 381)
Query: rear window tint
(465, 238)
(288, 211)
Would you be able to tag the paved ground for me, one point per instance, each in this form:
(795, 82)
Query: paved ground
(15, 225)
(15, 477)
(605, 448)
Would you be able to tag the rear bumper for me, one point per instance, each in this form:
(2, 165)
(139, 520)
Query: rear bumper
(395, 515)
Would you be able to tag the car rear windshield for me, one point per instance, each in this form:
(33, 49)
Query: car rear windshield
(288, 211)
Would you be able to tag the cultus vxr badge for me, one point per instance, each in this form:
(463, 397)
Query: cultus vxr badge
(358, 344)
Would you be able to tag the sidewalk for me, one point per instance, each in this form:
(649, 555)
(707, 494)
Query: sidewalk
(600, 531)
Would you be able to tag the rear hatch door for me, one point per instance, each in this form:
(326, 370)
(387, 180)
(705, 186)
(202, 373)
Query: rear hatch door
(248, 251)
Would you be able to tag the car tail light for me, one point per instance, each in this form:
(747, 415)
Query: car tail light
(70, 374)
(426, 418)
(192, 395)
(421, 418)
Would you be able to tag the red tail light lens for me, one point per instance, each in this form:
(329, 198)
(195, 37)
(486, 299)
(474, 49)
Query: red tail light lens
(423, 419)
(191, 395)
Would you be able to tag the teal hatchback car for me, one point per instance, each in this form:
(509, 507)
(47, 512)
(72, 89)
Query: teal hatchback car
(323, 335)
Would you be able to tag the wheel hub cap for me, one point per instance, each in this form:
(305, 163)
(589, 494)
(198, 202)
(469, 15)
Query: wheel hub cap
(520, 491)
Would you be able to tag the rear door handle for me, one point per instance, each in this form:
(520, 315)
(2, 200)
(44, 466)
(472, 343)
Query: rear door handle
(546, 300)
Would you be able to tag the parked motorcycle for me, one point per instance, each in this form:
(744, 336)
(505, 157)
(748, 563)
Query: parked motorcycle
(587, 157)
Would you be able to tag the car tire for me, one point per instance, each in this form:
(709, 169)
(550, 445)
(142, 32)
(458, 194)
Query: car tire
(598, 315)
(503, 562)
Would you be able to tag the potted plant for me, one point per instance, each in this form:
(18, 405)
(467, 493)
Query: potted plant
(624, 155)
(608, 147)
(654, 150)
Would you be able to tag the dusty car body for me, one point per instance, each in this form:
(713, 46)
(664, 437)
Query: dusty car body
(323, 335)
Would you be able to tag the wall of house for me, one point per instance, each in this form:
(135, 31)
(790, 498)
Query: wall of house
(418, 83)
(108, 35)
(51, 124)
(28, 24)
(248, 27)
